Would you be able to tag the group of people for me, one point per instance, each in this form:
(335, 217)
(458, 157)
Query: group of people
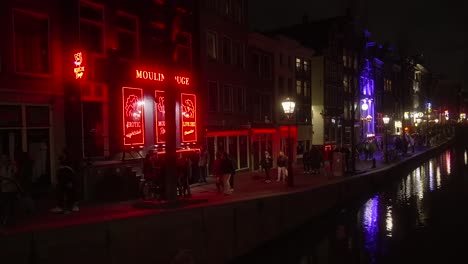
(224, 169)
(266, 164)
(312, 160)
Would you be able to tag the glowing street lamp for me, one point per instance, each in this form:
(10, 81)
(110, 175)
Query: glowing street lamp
(288, 108)
(386, 120)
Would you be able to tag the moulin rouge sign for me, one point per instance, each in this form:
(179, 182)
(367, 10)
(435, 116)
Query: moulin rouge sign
(160, 128)
(159, 77)
(133, 116)
(188, 103)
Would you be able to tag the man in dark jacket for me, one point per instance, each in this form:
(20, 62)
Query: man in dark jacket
(66, 188)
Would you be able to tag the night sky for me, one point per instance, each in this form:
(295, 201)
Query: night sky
(437, 29)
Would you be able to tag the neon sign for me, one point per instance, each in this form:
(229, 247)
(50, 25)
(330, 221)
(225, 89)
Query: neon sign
(182, 80)
(159, 77)
(133, 116)
(79, 68)
(148, 75)
(189, 117)
(160, 117)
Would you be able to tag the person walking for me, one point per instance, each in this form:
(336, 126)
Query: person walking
(233, 171)
(282, 162)
(66, 188)
(203, 164)
(267, 164)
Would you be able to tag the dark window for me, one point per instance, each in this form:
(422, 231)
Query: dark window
(184, 49)
(10, 116)
(227, 50)
(290, 86)
(211, 45)
(37, 116)
(31, 43)
(256, 64)
(127, 35)
(213, 96)
(242, 99)
(238, 54)
(158, 33)
(92, 28)
(281, 91)
(227, 98)
(266, 67)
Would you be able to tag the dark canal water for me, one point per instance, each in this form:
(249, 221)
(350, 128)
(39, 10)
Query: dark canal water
(421, 218)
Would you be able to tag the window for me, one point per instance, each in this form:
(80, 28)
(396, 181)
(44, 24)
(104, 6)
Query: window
(298, 64)
(242, 99)
(212, 45)
(31, 36)
(306, 66)
(307, 90)
(127, 35)
(227, 98)
(256, 64)
(290, 87)
(355, 62)
(227, 8)
(281, 86)
(266, 67)
(281, 59)
(92, 27)
(238, 54)
(158, 33)
(289, 62)
(237, 9)
(227, 50)
(184, 49)
(387, 85)
(213, 96)
(299, 87)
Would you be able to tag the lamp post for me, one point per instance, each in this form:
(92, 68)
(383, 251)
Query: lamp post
(386, 120)
(288, 108)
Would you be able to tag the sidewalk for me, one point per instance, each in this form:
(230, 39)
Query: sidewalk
(246, 186)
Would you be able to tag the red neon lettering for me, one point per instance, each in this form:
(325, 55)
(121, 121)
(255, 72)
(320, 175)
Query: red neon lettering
(78, 70)
(146, 75)
(182, 80)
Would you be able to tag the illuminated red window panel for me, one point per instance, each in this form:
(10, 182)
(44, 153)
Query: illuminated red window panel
(160, 114)
(133, 116)
(188, 105)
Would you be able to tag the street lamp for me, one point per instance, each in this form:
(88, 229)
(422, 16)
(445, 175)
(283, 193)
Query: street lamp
(288, 108)
(386, 120)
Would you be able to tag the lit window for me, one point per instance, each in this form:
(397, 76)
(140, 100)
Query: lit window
(31, 36)
(345, 58)
(211, 45)
(299, 87)
(298, 64)
(127, 35)
(306, 66)
(92, 27)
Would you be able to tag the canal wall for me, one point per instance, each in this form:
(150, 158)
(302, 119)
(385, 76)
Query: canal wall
(212, 234)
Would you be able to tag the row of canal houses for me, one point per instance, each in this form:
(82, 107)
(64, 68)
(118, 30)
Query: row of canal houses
(93, 76)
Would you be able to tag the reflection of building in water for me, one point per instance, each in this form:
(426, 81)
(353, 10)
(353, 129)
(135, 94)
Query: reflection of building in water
(438, 183)
(447, 162)
(371, 226)
(466, 157)
(431, 175)
(389, 221)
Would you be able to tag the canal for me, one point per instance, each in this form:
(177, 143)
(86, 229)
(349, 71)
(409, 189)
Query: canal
(420, 218)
